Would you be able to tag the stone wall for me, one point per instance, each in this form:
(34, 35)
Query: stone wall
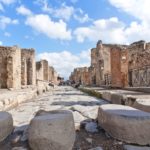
(28, 68)
(10, 64)
(139, 64)
(118, 65)
(51, 73)
(42, 70)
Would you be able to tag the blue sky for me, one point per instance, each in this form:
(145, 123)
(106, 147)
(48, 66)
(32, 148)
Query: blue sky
(64, 31)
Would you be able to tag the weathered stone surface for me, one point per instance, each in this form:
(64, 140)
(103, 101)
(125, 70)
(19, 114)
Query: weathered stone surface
(117, 98)
(106, 95)
(6, 125)
(87, 111)
(125, 123)
(52, 131)
(91, 127)
(78, 118)
(19, 148)
(96, 148)
(132, 147)
(142, 104)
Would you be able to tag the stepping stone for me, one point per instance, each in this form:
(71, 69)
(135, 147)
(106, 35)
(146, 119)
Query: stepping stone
(125, 123)
(132, 147)
(52, 130)
(89, 112)
(142, 104)
(6, 125)
(96, 148)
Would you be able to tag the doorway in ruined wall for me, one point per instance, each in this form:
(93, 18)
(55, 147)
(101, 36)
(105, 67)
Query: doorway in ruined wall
(3, 72)
(94, 80)
(29, 72)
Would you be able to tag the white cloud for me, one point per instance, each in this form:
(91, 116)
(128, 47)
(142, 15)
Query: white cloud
(109, 30)
(64, 12)
(81, 16)
(4, 21)
(137, 8)
(67, 61)
(1, 7)
(43, 24)
(1, 43)
(23, 11)
(8, 2)
(7, 34)
(74, 1)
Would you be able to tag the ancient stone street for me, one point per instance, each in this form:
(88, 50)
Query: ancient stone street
(83, 107)
(60, 98)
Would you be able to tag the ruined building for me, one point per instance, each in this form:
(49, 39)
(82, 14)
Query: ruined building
(28, 74)
(81, 75)
(117, 65)
(18, 68)
(45, 72)
(10, 67)
(42, 70)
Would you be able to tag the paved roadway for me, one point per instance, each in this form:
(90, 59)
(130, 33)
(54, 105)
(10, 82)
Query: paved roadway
(62, 97)
(83, 107)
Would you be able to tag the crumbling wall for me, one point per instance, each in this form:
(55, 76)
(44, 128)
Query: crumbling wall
(10, 64)
(116, 67)
(102, 64)
(51, 73)
(139, 64)
(28, 68)
(42, 70)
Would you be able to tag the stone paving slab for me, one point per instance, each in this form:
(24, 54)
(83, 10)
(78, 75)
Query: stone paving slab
(125, 123)
(133, 147)
(124, 97)
(10, 99)
(142, 104)
(62, 98)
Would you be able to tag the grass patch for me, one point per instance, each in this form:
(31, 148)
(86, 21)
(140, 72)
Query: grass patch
(91, 92)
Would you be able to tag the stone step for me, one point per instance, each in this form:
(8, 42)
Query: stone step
(6, 125)
(133, 147)
(52, 130)
(125, 123)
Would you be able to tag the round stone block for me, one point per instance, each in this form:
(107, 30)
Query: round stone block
(52, 130)
(6, 125)
(125, 123)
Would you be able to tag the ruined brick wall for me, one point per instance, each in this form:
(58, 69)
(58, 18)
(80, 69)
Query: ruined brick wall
(139, 64)
(125, 67)
(42, 70)
(51, 73)
(116, 80)
(119, 67)
(39, 70)
(55, 79)
(10, 64)
(85, 77)
(101, 61)
(28, 67)
(46, 70)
